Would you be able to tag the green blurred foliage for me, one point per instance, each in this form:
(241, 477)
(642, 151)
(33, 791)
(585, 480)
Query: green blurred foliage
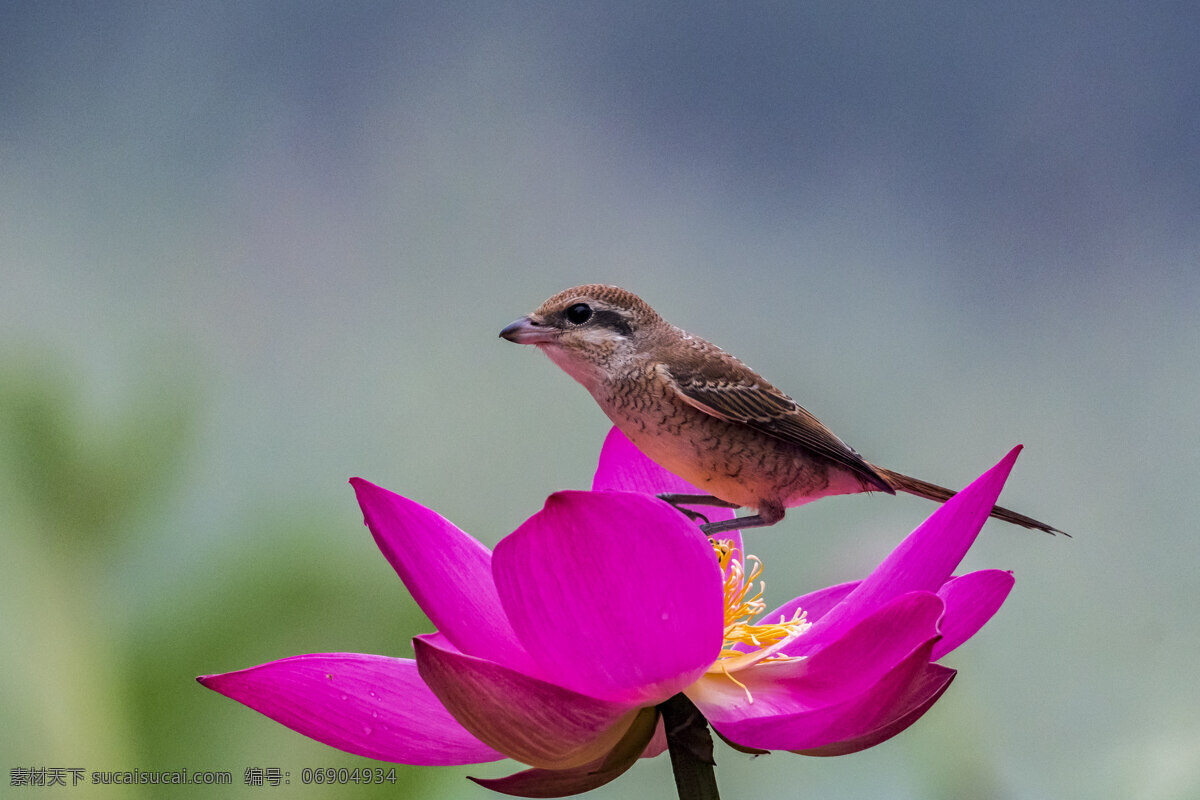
(100, 674)
(82, 477)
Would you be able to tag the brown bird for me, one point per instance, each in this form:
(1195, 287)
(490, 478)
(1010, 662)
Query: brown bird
(703, 414)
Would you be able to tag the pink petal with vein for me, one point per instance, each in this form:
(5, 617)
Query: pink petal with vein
(828, 725)
(576, 780)
(614, 594)
(371, 706)
(530, 720)
(971, 600)
(447, 572)
(555, 782)
(927, 557)
(922, 694)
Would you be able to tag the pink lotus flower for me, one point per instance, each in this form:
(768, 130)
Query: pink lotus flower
(556, 649)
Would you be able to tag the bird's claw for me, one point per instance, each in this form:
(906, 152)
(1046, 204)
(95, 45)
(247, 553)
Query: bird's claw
(691, 514)
(694, 516)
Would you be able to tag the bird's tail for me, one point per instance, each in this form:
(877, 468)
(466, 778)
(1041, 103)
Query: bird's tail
(940, 494)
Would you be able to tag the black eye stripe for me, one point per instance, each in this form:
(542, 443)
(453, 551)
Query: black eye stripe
(584, 314)
(612, 320)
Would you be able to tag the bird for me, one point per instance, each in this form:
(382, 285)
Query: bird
(705, 416)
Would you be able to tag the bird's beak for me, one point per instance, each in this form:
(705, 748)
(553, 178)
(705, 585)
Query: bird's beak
(526, 331)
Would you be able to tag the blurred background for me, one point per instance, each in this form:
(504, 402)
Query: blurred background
(251, 249)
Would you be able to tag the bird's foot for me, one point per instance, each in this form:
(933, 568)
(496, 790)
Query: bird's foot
(768, 514)
(678, 500)
(692, 514)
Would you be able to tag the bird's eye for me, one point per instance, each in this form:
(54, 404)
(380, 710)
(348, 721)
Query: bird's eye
(578, 313)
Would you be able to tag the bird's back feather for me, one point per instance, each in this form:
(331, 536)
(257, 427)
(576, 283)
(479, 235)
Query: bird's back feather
(720, 385)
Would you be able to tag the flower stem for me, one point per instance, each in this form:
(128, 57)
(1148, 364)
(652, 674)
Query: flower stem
(691, 749)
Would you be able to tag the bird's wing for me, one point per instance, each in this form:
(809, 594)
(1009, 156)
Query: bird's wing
(729, 390)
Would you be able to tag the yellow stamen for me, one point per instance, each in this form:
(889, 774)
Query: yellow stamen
(745, 641)
(728, 674)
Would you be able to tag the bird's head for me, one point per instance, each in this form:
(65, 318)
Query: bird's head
(589, 331)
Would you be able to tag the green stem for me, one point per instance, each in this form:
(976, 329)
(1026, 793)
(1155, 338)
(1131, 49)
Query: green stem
(691, 749)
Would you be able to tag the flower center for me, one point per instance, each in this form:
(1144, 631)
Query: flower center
(746, 642)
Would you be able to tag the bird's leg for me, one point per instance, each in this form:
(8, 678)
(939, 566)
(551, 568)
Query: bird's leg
(679, 500)
(768, 514)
